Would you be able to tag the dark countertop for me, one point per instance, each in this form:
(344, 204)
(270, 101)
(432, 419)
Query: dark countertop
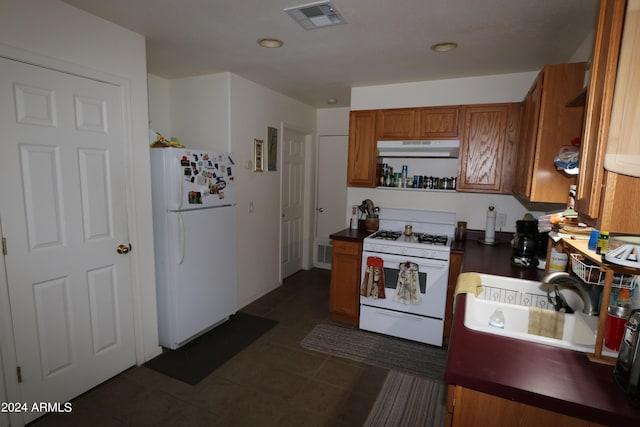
(560, 380)
(492, 259)
(556, 379)
(350, 235)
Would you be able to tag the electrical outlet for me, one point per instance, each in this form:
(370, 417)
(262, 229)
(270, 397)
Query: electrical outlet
(501, 220)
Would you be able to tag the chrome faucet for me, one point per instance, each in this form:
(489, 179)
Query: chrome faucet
(590, 294)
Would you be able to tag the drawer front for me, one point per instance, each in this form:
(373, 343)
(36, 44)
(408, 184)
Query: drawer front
(346, 248)
(402, 325)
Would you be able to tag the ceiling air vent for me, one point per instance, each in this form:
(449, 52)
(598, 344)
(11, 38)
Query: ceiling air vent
(316, 15)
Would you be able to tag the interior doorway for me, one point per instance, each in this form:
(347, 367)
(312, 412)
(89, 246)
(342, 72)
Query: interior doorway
(64, 217)
(292, 196)
(331, 194)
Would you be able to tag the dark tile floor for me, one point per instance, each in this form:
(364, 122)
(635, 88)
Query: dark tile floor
(273, 382)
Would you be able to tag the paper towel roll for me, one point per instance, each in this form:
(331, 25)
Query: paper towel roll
(490, 230)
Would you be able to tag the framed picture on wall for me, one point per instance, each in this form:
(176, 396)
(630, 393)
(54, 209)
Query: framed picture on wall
(258, 155)
(272, 149)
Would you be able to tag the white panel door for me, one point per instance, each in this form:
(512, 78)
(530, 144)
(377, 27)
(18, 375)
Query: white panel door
(332, 185)
(292, 201)
(63, 213)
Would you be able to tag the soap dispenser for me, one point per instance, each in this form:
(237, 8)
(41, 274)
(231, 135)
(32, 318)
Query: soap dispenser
(497, 319)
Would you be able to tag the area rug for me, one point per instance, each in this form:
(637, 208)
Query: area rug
(378, 350)
(407, 400)
(198, 358)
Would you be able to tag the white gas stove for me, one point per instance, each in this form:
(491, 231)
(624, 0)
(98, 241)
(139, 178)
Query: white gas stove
(430, 234)
(422, 238)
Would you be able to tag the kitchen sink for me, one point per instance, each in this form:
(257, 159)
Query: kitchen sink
(516, 297)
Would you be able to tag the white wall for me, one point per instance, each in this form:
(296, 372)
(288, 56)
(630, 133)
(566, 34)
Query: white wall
(159, 105)
(253, 108)
(333, 121)
(199, 111)
(226, 112)
(471, 90)
(54, 34)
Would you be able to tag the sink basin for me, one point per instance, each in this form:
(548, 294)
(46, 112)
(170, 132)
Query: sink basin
(515, 297)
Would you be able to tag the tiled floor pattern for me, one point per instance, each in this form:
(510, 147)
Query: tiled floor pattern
(273, 382)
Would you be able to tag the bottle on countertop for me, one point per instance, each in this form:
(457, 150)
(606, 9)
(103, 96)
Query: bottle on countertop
(603, 243)
(497, 319)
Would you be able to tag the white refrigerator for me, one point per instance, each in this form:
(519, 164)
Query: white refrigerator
(194, 225)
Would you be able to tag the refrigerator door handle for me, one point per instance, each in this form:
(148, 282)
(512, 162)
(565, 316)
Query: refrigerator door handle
(181, 192)
(181, 240)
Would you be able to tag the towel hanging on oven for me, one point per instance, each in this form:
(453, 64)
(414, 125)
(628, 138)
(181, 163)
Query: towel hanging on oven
(373, 283)
(408, 287)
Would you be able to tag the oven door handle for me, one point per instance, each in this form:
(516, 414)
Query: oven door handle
(399, 315)
(389, 258)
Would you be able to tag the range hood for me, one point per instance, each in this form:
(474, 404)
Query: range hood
(419, 148)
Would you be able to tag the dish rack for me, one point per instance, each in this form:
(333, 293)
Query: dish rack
(590, 273)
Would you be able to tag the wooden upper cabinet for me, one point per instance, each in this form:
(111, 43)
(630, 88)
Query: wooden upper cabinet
(488, 142)
(398, 123)
(523, 174)
(598, 107)
(361, 165)
(549, 125)
(437, 122)
(418, 123)
(618, 188)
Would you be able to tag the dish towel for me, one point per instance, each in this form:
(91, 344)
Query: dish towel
(546, 323)
(373, 283)
(468, 283)
(408, 287)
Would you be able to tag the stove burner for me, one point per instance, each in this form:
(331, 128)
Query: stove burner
(431, 239)
(386, 235)
(423, 238)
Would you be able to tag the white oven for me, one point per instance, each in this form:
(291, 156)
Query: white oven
(424, 321)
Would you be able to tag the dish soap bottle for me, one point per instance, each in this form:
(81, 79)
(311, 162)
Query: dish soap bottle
(497, 319)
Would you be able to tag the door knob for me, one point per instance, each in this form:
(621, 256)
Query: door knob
(320, 210)
(122, 249)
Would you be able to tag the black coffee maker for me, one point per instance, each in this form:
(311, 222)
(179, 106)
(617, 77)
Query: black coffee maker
(525, 244)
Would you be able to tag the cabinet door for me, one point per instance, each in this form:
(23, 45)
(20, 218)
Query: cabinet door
(437, 122)
(555, 127)
(473, 408)
(397, 123)
(487, 147)
(361, 168)
(344, 300)
(526, 148)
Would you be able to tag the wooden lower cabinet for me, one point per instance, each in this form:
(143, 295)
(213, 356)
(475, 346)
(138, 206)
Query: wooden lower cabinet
(470, 408)
(344, 297)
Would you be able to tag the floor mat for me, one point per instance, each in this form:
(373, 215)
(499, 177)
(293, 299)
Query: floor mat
(378, 350)
(198, 358)
(407, 400)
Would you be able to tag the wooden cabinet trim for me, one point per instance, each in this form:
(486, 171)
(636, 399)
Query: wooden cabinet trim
(598, 109)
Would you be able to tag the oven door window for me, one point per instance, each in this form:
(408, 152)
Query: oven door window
(391, 279)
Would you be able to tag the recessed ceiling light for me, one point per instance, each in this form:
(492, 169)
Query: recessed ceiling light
(444, 47)
(332, 101)
(270, 42)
